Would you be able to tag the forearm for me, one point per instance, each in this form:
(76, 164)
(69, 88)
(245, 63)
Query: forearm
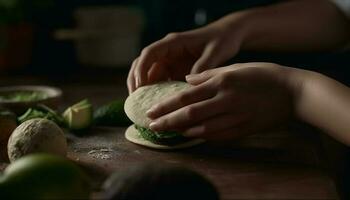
(323, 103)
(298, 25)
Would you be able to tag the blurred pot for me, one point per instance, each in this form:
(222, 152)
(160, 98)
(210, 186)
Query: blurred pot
(106, 36)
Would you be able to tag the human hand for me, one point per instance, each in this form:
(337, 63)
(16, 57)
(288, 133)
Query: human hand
(179, 54)
(228, 102)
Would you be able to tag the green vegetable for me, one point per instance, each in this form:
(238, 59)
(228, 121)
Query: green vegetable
(41, 111)
(23, 96)
(43, 176)
(81, 103)
(166, 137)
(79, 116)
(111, 114)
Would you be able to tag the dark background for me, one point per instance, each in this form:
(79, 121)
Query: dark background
(53, 58)
(56, 57)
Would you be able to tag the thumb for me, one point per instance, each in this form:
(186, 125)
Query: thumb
(206, 60)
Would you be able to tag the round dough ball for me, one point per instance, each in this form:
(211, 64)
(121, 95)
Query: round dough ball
(36, 135)
(145, 97)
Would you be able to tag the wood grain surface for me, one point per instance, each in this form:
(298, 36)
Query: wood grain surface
(281, 164)
(238, 171)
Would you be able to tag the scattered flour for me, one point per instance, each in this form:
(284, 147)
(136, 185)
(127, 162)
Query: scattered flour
(104, 153)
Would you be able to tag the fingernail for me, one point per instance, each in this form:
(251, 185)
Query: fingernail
(192, 132)
(138, 82)
(150, 112)
(153, 126)
(190, 76)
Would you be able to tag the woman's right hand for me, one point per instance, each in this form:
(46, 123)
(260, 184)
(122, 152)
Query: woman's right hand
(180, 54)
(229, 102)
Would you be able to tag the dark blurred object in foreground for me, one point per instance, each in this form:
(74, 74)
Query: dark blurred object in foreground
(159, 181)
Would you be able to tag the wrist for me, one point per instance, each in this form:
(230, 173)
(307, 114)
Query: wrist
(299, 82)
(245, 28)
(323, 102)
(234, 28)
(295, 81)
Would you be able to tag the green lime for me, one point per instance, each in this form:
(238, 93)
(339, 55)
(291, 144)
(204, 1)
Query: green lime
(43, 176)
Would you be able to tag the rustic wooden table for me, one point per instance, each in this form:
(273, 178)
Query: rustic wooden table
(282, 164)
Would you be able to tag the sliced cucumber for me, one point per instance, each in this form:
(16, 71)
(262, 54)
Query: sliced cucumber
(111, 114)
(79, 116)
(82, 103)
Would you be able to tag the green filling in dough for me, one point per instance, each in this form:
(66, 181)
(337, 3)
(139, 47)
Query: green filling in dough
(165, 138)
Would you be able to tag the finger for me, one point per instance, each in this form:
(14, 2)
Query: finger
(206, 60)
(148, 57)
(152, 54)
(184, 98)
(196, 79)
(131, 77)
(188, 115)
(216, 124)
(157, 73)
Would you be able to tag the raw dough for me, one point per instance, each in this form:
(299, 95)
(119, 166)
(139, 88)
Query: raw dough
(134, 136)
(36, 135)
(145, 97)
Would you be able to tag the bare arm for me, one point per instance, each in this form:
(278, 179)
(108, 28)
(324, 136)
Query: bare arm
(298, 25)
(217, 108)
(324, 103)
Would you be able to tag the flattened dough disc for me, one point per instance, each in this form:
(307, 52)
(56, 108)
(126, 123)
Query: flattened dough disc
(134, 136)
